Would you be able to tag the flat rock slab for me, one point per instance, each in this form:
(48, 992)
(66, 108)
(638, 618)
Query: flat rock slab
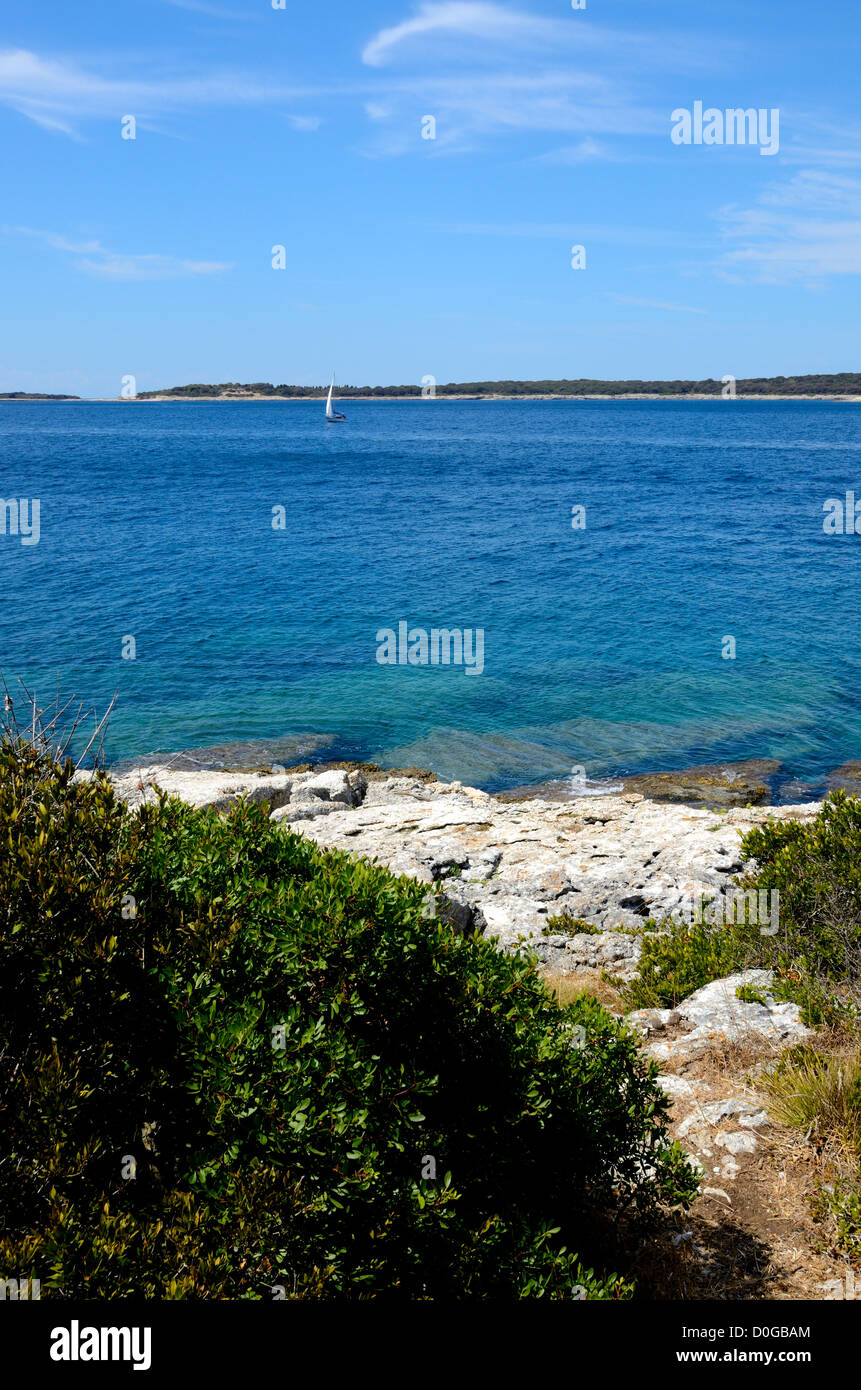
(221, 790)
(719, 1136)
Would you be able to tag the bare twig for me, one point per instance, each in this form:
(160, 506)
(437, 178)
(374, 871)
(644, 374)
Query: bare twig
(51, 731)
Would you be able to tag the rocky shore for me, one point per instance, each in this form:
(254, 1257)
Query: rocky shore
(504, 868)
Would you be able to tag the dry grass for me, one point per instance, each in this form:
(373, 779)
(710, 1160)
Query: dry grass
(729, 1059)
(567, 988)
(819, 1092)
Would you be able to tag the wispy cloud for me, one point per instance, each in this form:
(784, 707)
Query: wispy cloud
(516, 72)
(584, 152)
(806, 229)
(215, 11)
(47, 122)
(305, 123)
(441, 26)
(825, 142)
(461, 19)
(92, 258)
(55, 91)
(561, 75)
(471, 109)
(656, 304)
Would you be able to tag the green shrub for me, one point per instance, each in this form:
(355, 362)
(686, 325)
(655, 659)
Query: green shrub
(749, 994)
(322, 1089)
(679, 958)
(83, 1029)
(816, 867)
(564, 924)
(838, 1206)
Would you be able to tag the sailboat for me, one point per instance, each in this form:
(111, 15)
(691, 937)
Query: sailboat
(331, 414)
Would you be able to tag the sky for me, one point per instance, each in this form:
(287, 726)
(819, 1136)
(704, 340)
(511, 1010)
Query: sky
(405, 256)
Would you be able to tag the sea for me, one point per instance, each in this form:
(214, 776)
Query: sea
(651, 584)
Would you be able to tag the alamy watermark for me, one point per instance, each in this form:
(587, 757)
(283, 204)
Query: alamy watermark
(20, 1290)
(442, 646)
(842, 519)
(754, 907)
(76, 1343)
(22, 518)
(843, 1288)
(735, 126)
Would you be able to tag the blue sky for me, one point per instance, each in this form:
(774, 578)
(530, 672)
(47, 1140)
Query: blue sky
(408, 256)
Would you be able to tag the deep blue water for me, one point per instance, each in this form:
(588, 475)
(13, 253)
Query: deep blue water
(602, 646)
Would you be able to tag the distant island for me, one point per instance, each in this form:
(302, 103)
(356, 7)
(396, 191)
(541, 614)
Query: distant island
(33, 396)
(838, 384)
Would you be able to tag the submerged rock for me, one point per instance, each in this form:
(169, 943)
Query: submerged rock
(712, 784)
(717, 784)
(846, 778)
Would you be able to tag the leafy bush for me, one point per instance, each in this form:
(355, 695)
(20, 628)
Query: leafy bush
(816, 867)
(838, 1205)
(82, 1026)
(749, 994)
(679, 958)
(233, 1063)
(565, 924)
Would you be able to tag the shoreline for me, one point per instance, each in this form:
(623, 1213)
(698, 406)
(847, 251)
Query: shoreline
(760, 782)
(316, 400)
(505, 870)
(626, 396)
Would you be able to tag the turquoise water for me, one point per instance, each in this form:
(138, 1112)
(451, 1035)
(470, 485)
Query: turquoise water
(602, 646)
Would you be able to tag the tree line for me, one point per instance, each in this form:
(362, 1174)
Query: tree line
(835, 384)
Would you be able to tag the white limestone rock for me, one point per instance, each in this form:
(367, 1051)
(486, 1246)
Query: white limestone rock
(718, 1015)
(653, 1020)
(737, 1142)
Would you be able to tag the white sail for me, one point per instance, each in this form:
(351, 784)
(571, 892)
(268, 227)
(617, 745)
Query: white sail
(331, 413)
